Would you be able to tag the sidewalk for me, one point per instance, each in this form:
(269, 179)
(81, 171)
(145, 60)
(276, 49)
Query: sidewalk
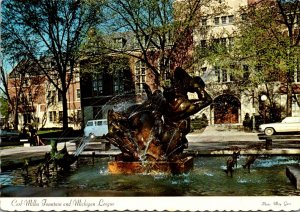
(213, 134)
(217, 141)
(212, 141)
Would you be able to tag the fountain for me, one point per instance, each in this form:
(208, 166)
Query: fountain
(267, 178)
(152, 135)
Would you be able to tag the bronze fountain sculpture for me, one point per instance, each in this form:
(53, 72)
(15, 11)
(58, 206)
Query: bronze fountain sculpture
(152, 136)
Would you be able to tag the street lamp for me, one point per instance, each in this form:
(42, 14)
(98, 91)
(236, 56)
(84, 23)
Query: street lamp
(263, 98)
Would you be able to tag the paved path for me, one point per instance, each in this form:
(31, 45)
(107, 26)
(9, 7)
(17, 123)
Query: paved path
(212, 134)
(215, 140)
(211, 141)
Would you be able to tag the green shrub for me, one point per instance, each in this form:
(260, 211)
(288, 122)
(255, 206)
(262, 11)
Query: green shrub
(199, 123)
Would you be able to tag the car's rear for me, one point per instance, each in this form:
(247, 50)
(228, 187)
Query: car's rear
(96, 128)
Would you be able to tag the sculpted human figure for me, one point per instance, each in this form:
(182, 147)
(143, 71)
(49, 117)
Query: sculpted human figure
(156, 129)
(180, 108)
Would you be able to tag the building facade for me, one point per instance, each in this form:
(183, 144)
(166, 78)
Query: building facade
(37, 102)
(104, 87)
(117, 81)
(231, 102)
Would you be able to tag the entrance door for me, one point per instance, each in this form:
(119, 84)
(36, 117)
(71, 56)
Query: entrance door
(226, 109)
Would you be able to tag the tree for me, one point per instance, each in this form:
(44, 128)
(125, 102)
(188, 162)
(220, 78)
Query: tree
(158, 33)
(5, 97)
(279, 23)
(21, 91)
(266, 48)
(15, 83)
(49, 29)
(3, 110)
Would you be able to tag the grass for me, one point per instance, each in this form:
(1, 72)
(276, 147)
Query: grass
(43, 132)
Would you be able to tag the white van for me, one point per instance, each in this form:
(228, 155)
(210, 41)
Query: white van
(96, 128)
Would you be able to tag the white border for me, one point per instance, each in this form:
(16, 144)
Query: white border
(274, 203)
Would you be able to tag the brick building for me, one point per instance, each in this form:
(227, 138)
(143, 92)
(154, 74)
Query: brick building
(37, 101)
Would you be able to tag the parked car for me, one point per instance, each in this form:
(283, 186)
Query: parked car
(9, 135)
(96, 128)
(289, 124)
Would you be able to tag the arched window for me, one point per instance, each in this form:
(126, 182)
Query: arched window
(140, 76)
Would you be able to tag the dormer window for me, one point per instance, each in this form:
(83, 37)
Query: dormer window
(120, 42)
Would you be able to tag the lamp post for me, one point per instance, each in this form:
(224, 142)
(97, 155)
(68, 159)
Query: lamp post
(263, 98)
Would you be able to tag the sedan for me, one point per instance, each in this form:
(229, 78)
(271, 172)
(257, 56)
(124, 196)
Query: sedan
(289, 124)
(9, 135)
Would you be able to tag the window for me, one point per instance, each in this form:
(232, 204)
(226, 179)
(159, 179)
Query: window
(224, 75)
(78, 95)
(224, 18)
(29, 98)
(51, 97)
(77, 76)
(203, 71)
(232, 76)
(204, 22)
(140, 76)
(246, 72)
(217, 72)
(203, 44)
(97, 82)
(60, 97)
(217, 20)
(223, 42)
(221, 74)
(120, 42)
(216, 41)
(79, 114)
(230, 42)
(165, 73)
(26, 82)
(27, 118)
(118, 82)
(243, 17)
(230, 19)
(89, 123)
(295, 106)
(60, 116)
(52, 116)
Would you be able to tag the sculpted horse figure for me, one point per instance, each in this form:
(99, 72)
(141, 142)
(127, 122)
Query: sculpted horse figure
(156, 129)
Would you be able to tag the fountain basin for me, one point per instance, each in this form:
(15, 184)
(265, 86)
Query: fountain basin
(178, 167)
(267, 177)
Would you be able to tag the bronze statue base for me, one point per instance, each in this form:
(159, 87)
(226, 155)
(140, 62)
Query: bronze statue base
(183, 165)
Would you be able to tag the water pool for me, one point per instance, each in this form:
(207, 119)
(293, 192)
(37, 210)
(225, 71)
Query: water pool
(267, 178)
